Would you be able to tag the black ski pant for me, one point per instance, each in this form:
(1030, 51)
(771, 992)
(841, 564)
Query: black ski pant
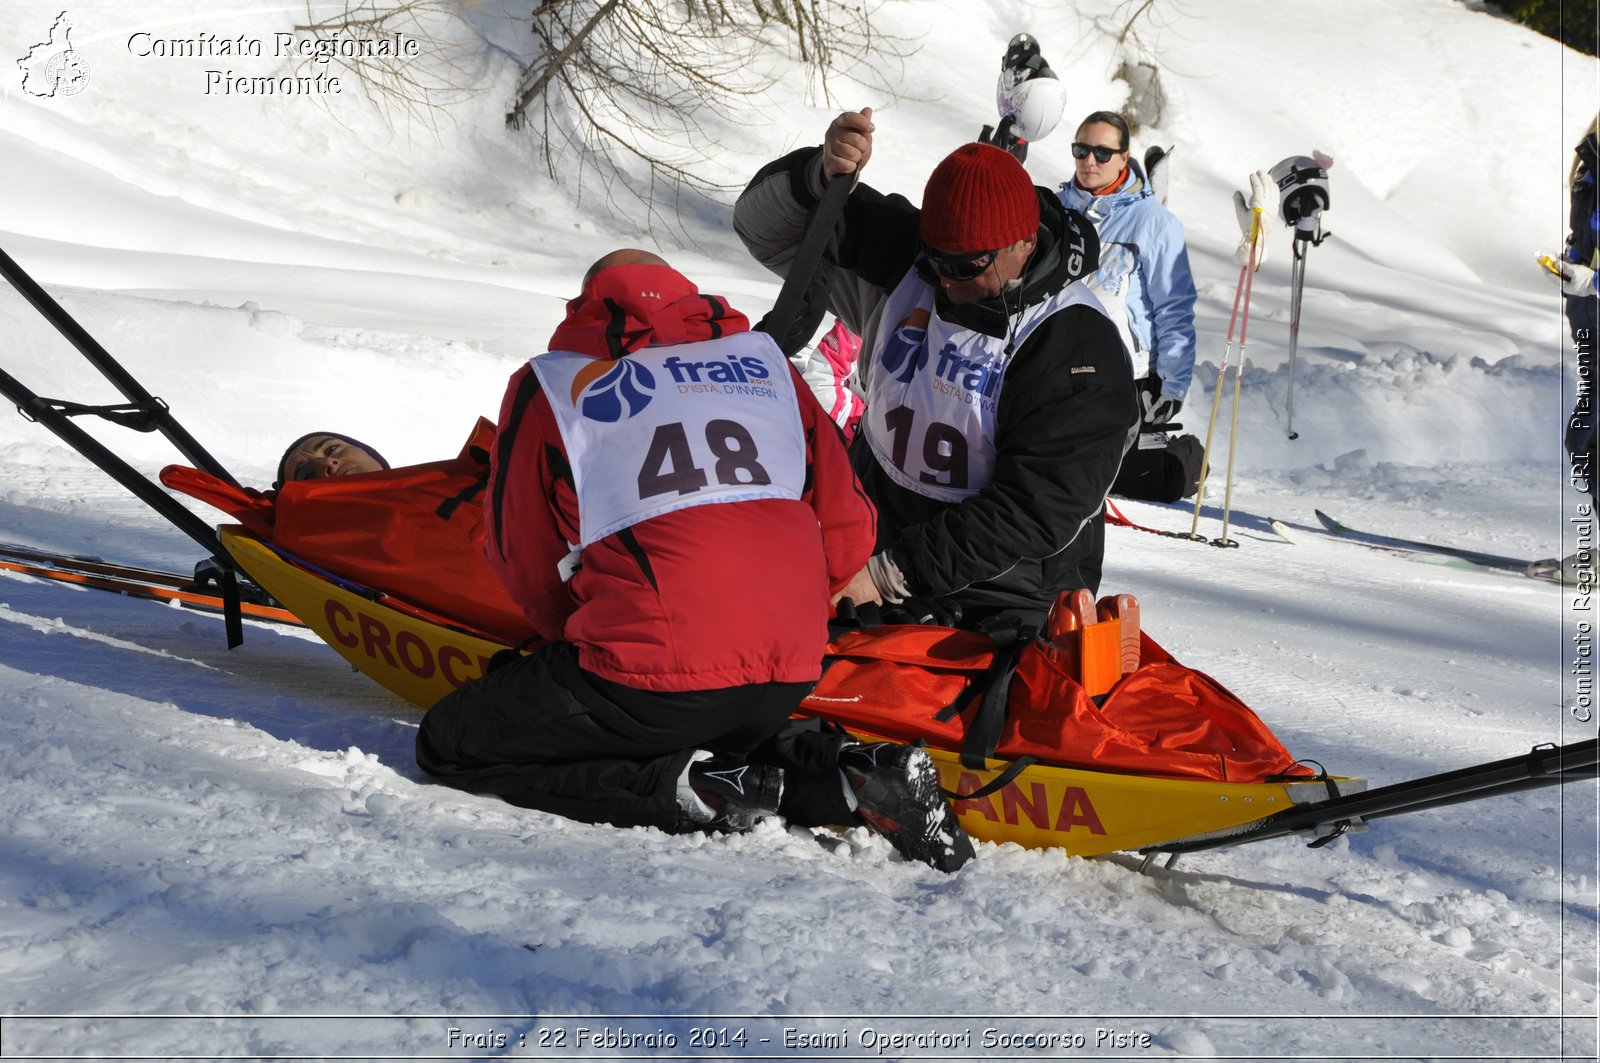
(543, 733)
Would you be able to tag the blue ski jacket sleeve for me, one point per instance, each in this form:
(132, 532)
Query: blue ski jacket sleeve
(1168, 301)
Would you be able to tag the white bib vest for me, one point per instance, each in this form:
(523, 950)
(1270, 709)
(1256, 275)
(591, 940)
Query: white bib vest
(666, 428)
(934, 390)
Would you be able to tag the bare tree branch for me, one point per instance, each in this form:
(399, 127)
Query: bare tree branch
(514, 119)
(393, 82)
(634, 97)
(642, 84)
(1127, 27)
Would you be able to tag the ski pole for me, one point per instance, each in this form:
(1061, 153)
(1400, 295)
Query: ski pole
(1297, 283)
(1238, 389)
(1211, 422)
(1222, 376)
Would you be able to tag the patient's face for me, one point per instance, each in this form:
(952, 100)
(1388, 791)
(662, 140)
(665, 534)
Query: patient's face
(322, 456)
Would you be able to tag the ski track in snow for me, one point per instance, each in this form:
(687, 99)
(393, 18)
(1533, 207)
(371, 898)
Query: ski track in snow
(230, 839)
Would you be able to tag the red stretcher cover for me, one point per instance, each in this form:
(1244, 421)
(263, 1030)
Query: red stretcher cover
(1161, 719)
(415, 532)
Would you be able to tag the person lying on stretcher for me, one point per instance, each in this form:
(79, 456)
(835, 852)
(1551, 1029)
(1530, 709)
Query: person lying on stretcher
(415, 532)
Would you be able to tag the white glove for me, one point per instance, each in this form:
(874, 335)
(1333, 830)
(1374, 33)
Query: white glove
(1159, 412)
(1573, 278)
(1263, 204)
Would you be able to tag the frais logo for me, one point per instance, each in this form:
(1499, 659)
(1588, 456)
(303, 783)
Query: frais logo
(907, 348)
(731, 370)
(612, 390)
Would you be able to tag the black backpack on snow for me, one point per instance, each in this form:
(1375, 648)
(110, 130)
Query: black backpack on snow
(1161, 474)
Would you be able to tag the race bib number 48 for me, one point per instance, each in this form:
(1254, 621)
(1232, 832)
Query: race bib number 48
(666, 428)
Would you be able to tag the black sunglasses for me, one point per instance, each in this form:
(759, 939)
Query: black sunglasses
(1101, 154)
(959, 267)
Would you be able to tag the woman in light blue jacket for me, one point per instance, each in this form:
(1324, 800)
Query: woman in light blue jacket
(1144, 262)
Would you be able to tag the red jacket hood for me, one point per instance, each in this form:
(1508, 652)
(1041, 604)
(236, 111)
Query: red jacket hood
(625, 308)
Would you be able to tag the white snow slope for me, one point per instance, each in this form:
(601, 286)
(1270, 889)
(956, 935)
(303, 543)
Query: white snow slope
(231, 854)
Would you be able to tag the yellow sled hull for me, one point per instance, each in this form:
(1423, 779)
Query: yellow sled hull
(415, 658)
(1087, 813)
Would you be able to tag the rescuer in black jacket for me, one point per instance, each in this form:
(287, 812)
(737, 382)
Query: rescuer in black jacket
(1000, 399)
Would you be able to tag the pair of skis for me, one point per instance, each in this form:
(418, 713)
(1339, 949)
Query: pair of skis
(201, 591)
(1547, 569)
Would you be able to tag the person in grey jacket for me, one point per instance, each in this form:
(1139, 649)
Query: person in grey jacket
(999, 397)
(1144, 262)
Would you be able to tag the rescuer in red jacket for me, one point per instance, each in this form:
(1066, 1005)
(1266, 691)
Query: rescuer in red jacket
(668, 504)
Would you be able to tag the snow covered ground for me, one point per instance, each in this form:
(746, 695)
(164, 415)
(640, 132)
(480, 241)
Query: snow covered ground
(213, 853)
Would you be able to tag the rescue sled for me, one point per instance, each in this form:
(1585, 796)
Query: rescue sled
(1086, 812)
(1039, 741)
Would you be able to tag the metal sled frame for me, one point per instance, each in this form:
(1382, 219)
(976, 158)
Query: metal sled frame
(142, 412)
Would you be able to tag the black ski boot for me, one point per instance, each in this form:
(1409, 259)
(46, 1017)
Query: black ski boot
(897, 788)
(726, 794)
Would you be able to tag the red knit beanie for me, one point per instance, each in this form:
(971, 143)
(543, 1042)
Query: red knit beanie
(978, 199)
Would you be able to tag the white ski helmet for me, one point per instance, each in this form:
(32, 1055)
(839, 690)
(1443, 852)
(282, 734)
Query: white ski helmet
(1034, 106)
(1302, 192)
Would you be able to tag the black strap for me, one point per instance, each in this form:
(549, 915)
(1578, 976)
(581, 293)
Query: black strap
(848, 617)
(983, 733)
(508, 433)
(153, 495)
(143, 412)
(845, 618)
(220, 578)
(959, 703)
(446, 509)
(802, 300)
(232, 615)
(1015, 768)
(1321, 776)
(138, 416)
(101, 359)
